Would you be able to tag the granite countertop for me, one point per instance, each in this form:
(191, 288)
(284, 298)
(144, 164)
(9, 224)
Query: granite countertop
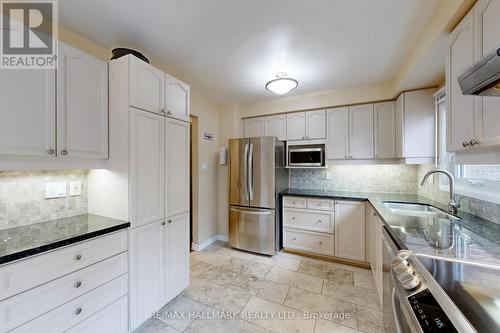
(27, 240)
(470, 238)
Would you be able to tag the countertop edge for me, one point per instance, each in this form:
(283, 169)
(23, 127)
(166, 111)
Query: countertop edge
(6, 259)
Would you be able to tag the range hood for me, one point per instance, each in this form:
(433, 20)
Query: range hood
(483, 78)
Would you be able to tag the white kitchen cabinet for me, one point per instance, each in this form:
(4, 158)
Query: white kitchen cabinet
(361, 131)
(296, 126)
(350, 230)
(374, 231)
(177, 97)
(176, 255)
(28, 124)
(487, 37)
(147, 86)
(147, 271)
(254, 127)
(276, 126)
(461, 108)
(147, 160)
(176, 167)
(337, 141)
(82, 105)
(111, 319)
(385, 130)
(415, 118)
(315, 125)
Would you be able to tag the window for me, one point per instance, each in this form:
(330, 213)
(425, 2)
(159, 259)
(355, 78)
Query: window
(480, 177)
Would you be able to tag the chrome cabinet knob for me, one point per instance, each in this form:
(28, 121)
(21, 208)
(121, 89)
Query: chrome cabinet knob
(78, 311)
(78, 284)
(465, 144)
(50, 151)
(320, 243)
(293, 217)
(473, 142)
(64, 152)
(169, 221)
(294, 238)
(78, 257)
(163, 223)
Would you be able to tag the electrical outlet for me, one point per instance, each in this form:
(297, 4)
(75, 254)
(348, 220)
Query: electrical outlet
(55, 190)
(75, 188)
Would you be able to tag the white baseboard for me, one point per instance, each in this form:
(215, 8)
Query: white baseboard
(206, 243)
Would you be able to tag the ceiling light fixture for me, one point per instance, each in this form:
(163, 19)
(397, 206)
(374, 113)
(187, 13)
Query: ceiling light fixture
(282, 84)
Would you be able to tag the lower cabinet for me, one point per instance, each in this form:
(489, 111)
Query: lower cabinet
(350, 230)
(159, 265)
(374, 226)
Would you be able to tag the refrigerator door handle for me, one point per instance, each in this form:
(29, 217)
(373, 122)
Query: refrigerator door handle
(245, 171)
(250, 212)
(250, 173)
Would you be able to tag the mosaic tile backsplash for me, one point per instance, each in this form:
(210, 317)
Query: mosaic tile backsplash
(486, 210)
(22, 197)
(360, 178)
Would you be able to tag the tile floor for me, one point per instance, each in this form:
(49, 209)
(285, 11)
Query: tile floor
(236, 291)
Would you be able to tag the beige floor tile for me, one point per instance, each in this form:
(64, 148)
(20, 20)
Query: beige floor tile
(247, 266)
(259, 287)
(155, 326)
(294, 279)
(291, 264)
(359, 295)
(338, 311)
(177, 312)
(364, 280)
(217, 296)
(214, 326)
(352, 268)
(210, 258)
(252, 328)
(326, 326)
(370, 321)
(222, 275)
(289, 255)
(200, 268)
(293, 321)
(235, 253)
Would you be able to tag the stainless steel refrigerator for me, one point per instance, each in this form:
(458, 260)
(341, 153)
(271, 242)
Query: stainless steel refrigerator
(256, 175)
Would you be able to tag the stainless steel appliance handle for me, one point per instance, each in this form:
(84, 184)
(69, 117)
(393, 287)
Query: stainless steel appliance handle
(250, 172)
(250, 212)
(245, 171)
(396, 312)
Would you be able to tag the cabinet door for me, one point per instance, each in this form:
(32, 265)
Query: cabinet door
(420, 120)
(147, 86)
(461, 108)
(254, 127)
(337, 138)
(177, 255)
(27, 126)
(316, 124)
(147, 156)
(82, 105)
(385, 130)
(147, 271)
(361, 131)
(487, 32)
(350, 230)
(177, 95)
(276, 126)
(176, 167)
(400, 126)
(296, 126)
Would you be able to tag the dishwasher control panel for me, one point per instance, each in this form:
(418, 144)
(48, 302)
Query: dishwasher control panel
(429, 313)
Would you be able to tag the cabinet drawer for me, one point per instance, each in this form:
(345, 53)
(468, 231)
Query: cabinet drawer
(295, 202)
(111, 319)
(23, 307)
(68, 315)
(309, 220)
(32, 272)
(320, 204)
(309, 241)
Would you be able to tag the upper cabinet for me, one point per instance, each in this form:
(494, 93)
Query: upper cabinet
(415, 118)
(385, 129)
(337, 142)
(147, 86)
(276, 126)
(296, 126)
(82, 105)
(254, 127)
(177, 96)
(315, 125)
(473, 121)
(361, 131)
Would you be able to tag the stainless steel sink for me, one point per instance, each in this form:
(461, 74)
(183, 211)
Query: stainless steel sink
(417, 210)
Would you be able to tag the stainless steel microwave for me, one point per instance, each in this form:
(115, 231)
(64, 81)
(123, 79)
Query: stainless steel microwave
(306, 156)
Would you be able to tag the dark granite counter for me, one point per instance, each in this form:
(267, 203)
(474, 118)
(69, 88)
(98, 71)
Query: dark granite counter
(470, 238)
(23, 241)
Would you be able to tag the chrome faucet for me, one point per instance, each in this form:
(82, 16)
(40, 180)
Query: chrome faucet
(453, 204)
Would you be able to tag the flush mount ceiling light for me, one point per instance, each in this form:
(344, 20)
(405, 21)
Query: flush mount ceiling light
(282, 84)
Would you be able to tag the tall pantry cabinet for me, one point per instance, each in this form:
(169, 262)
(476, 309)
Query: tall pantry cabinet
(147, 180)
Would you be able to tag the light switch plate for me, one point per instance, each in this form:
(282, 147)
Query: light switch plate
(55, 190)
(75, 188)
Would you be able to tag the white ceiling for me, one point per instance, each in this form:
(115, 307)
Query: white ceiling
(231, 48)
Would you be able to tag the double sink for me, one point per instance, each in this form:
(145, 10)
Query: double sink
(418, 210)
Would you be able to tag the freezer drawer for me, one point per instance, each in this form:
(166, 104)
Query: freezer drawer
(252, 229)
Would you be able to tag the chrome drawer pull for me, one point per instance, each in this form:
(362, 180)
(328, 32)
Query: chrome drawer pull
(78, 284)
(78, 257)
(78, 311)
